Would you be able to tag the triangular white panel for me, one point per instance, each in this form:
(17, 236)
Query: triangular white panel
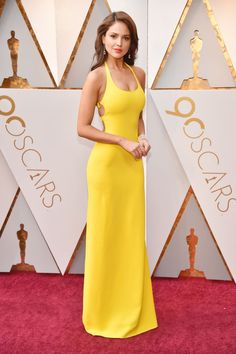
(167, 185)
(163, 17)
(37, 252)
(77, 266)
(139, 15)
(202, 127)
(69, 21)
(8, 189)
(225, 17)
(28, 55)
(207, 256)
(50, 164)
(179, 64)
(84, 56)
(39, 12)
(62, 24)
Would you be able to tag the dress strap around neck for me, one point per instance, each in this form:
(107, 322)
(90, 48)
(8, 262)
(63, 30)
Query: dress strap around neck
(108, 71)
(132, 70)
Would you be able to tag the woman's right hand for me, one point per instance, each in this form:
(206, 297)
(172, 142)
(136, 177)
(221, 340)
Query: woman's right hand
(133, 147)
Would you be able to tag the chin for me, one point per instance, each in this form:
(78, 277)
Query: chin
(117, 55)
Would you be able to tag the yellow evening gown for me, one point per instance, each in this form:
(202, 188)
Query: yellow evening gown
(117, 294)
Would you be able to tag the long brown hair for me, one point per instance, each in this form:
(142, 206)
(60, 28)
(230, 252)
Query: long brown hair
(108, 21)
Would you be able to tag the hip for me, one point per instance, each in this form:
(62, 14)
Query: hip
(112, 158)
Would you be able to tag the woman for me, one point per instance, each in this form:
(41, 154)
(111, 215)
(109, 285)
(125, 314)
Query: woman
(117, 299)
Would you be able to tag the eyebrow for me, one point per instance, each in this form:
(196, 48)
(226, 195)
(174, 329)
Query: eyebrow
(128, 35)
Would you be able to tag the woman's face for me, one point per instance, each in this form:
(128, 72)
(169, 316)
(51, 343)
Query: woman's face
(117, 40)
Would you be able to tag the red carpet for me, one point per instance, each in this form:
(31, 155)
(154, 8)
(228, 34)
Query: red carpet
(42, 314)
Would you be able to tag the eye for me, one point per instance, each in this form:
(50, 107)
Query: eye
(127, 38)
(113, 35)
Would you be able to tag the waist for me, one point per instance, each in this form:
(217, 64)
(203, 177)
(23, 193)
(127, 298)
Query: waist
(128, 132)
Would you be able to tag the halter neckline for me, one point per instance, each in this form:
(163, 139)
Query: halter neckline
(132, 71)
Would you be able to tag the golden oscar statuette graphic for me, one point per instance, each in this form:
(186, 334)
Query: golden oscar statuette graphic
(192, 241)
(22, 236)
(195, 82)
(14, 81)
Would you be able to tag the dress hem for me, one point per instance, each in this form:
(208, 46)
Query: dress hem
(93, 333)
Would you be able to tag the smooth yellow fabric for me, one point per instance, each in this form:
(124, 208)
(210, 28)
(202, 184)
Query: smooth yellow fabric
(117, 298)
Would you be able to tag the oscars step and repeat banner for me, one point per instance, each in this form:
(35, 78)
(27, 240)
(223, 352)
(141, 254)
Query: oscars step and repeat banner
(190, 173)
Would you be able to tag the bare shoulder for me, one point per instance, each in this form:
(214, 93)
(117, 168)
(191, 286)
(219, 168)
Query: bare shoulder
(138, 70)
(95, 77)
(140, 73)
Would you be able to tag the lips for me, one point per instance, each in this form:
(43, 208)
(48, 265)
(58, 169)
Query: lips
(118, 50)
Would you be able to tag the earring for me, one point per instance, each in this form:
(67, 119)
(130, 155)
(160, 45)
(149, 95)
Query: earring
(104, 52)
(129, 56)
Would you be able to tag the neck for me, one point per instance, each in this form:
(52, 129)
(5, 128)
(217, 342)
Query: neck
(116, 64)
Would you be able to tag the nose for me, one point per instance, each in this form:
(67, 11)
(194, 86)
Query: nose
(118, 42)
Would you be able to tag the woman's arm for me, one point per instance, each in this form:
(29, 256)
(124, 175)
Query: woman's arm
(88, 102)
(141, 126)
(141, 78)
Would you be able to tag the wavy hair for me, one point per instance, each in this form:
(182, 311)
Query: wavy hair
(108, 21)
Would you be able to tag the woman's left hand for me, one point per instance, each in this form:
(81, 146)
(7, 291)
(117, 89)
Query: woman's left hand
(145, 146)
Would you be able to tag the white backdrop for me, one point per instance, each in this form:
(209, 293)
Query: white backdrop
(61, 52)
